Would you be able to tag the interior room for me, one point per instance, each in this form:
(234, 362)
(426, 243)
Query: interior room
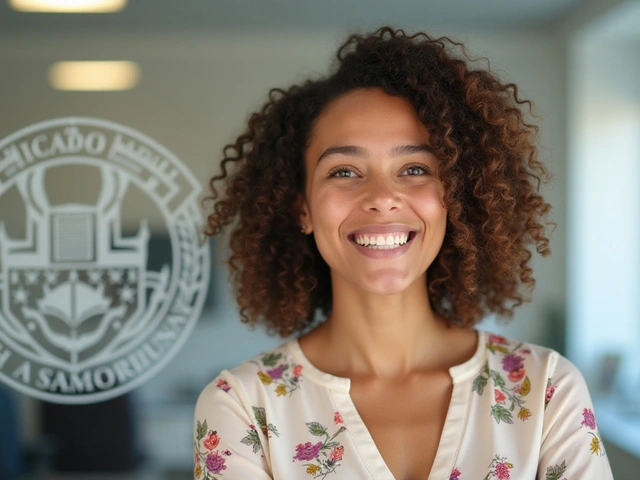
(193, 71)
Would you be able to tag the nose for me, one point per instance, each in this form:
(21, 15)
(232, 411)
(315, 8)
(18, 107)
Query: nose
(381, 197)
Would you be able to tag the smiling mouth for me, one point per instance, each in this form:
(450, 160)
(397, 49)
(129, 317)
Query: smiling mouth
(386, 241)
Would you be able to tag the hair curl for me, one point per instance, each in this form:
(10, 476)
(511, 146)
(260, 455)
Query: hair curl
(488, 167)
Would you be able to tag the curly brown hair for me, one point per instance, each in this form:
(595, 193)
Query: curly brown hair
(488, 165)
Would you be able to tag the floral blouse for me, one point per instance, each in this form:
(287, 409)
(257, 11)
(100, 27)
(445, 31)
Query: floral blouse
(517, 411)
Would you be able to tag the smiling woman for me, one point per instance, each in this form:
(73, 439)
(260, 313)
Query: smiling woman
(378, 214)
(370, 173)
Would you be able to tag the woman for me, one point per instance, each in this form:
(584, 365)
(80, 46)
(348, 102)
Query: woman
(378, 214)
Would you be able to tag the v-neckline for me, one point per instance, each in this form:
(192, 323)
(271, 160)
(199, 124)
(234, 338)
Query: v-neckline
(454, 424)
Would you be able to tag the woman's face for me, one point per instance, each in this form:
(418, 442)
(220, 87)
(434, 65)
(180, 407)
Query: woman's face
(373, 198)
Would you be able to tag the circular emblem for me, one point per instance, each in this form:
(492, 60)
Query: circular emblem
(93, 302)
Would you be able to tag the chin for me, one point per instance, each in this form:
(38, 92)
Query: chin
(386, 285)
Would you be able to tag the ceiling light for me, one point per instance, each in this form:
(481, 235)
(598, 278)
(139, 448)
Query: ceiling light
(94, 76)
(68, 6)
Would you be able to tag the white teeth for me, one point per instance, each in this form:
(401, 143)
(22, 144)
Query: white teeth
(380, 242)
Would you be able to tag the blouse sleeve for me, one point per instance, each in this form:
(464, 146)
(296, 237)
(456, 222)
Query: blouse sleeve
(571, 443)
(226, 442)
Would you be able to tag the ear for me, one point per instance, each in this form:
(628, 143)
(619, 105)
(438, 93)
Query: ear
(304, 215)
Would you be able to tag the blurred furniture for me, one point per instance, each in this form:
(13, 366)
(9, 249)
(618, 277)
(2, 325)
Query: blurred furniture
(167, 434)
(12, 461)
(98, 437)
(18, 458)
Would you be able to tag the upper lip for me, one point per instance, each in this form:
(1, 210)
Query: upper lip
(382, 229)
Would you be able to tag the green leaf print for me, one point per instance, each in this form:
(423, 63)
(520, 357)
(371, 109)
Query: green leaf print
(252, 440)
(270, 359)
(261, 416)
(201, 430)
(479, 383)
(555, 473)
(501, 414)
(497, 379)
(316, 429)
(261, 421)
(497, 348)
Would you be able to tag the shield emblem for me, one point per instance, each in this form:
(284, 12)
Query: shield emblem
(89, 308)
(76, 290)
(73, 314)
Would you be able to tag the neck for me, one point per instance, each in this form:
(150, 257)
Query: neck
(383, 336)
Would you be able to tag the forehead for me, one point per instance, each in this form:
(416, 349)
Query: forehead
(367, 115)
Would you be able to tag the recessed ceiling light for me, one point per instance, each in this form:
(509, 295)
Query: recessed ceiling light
(94, 76)
(68, 6)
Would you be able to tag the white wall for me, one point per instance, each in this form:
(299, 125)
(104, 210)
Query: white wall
(604, 199)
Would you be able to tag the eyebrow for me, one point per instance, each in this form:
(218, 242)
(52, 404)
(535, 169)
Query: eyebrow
(349, 150)
(409, 149)
(354, 151)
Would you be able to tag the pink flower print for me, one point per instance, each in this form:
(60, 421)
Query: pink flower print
(308, 451)
(499, 396)
(336, 454)
(296, 371)
(227, 453)
(588, 419)
(337, 418)
(223, 384)
(551, 389)
(502, 471)
(497, 339)
(276, 373)
(215, 463)
(516, 389)
(499, 468)
(525, 351)
(455, 475)
(516, 375)
(512, 362)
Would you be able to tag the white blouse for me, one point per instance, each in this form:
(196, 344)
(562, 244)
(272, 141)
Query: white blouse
(517, 412)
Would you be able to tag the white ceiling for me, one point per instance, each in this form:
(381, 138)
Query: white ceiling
(281, 14)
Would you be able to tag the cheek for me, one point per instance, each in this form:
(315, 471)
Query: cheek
(436, 211)
(431, 203)
(330, 207)
(329, 201)
(328, 214)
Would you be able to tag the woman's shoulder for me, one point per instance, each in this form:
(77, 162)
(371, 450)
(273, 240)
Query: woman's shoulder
(516, 361)
(257, 372)
(528, 376)
(511, 353)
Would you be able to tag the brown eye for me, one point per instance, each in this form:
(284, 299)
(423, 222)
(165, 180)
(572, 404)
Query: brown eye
(341, 172)
(416, 170)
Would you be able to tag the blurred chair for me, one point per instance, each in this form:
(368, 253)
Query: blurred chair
(12, 457)
(97, 437)
(19, 459)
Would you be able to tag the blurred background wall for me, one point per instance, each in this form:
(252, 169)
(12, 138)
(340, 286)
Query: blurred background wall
(206, 65)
